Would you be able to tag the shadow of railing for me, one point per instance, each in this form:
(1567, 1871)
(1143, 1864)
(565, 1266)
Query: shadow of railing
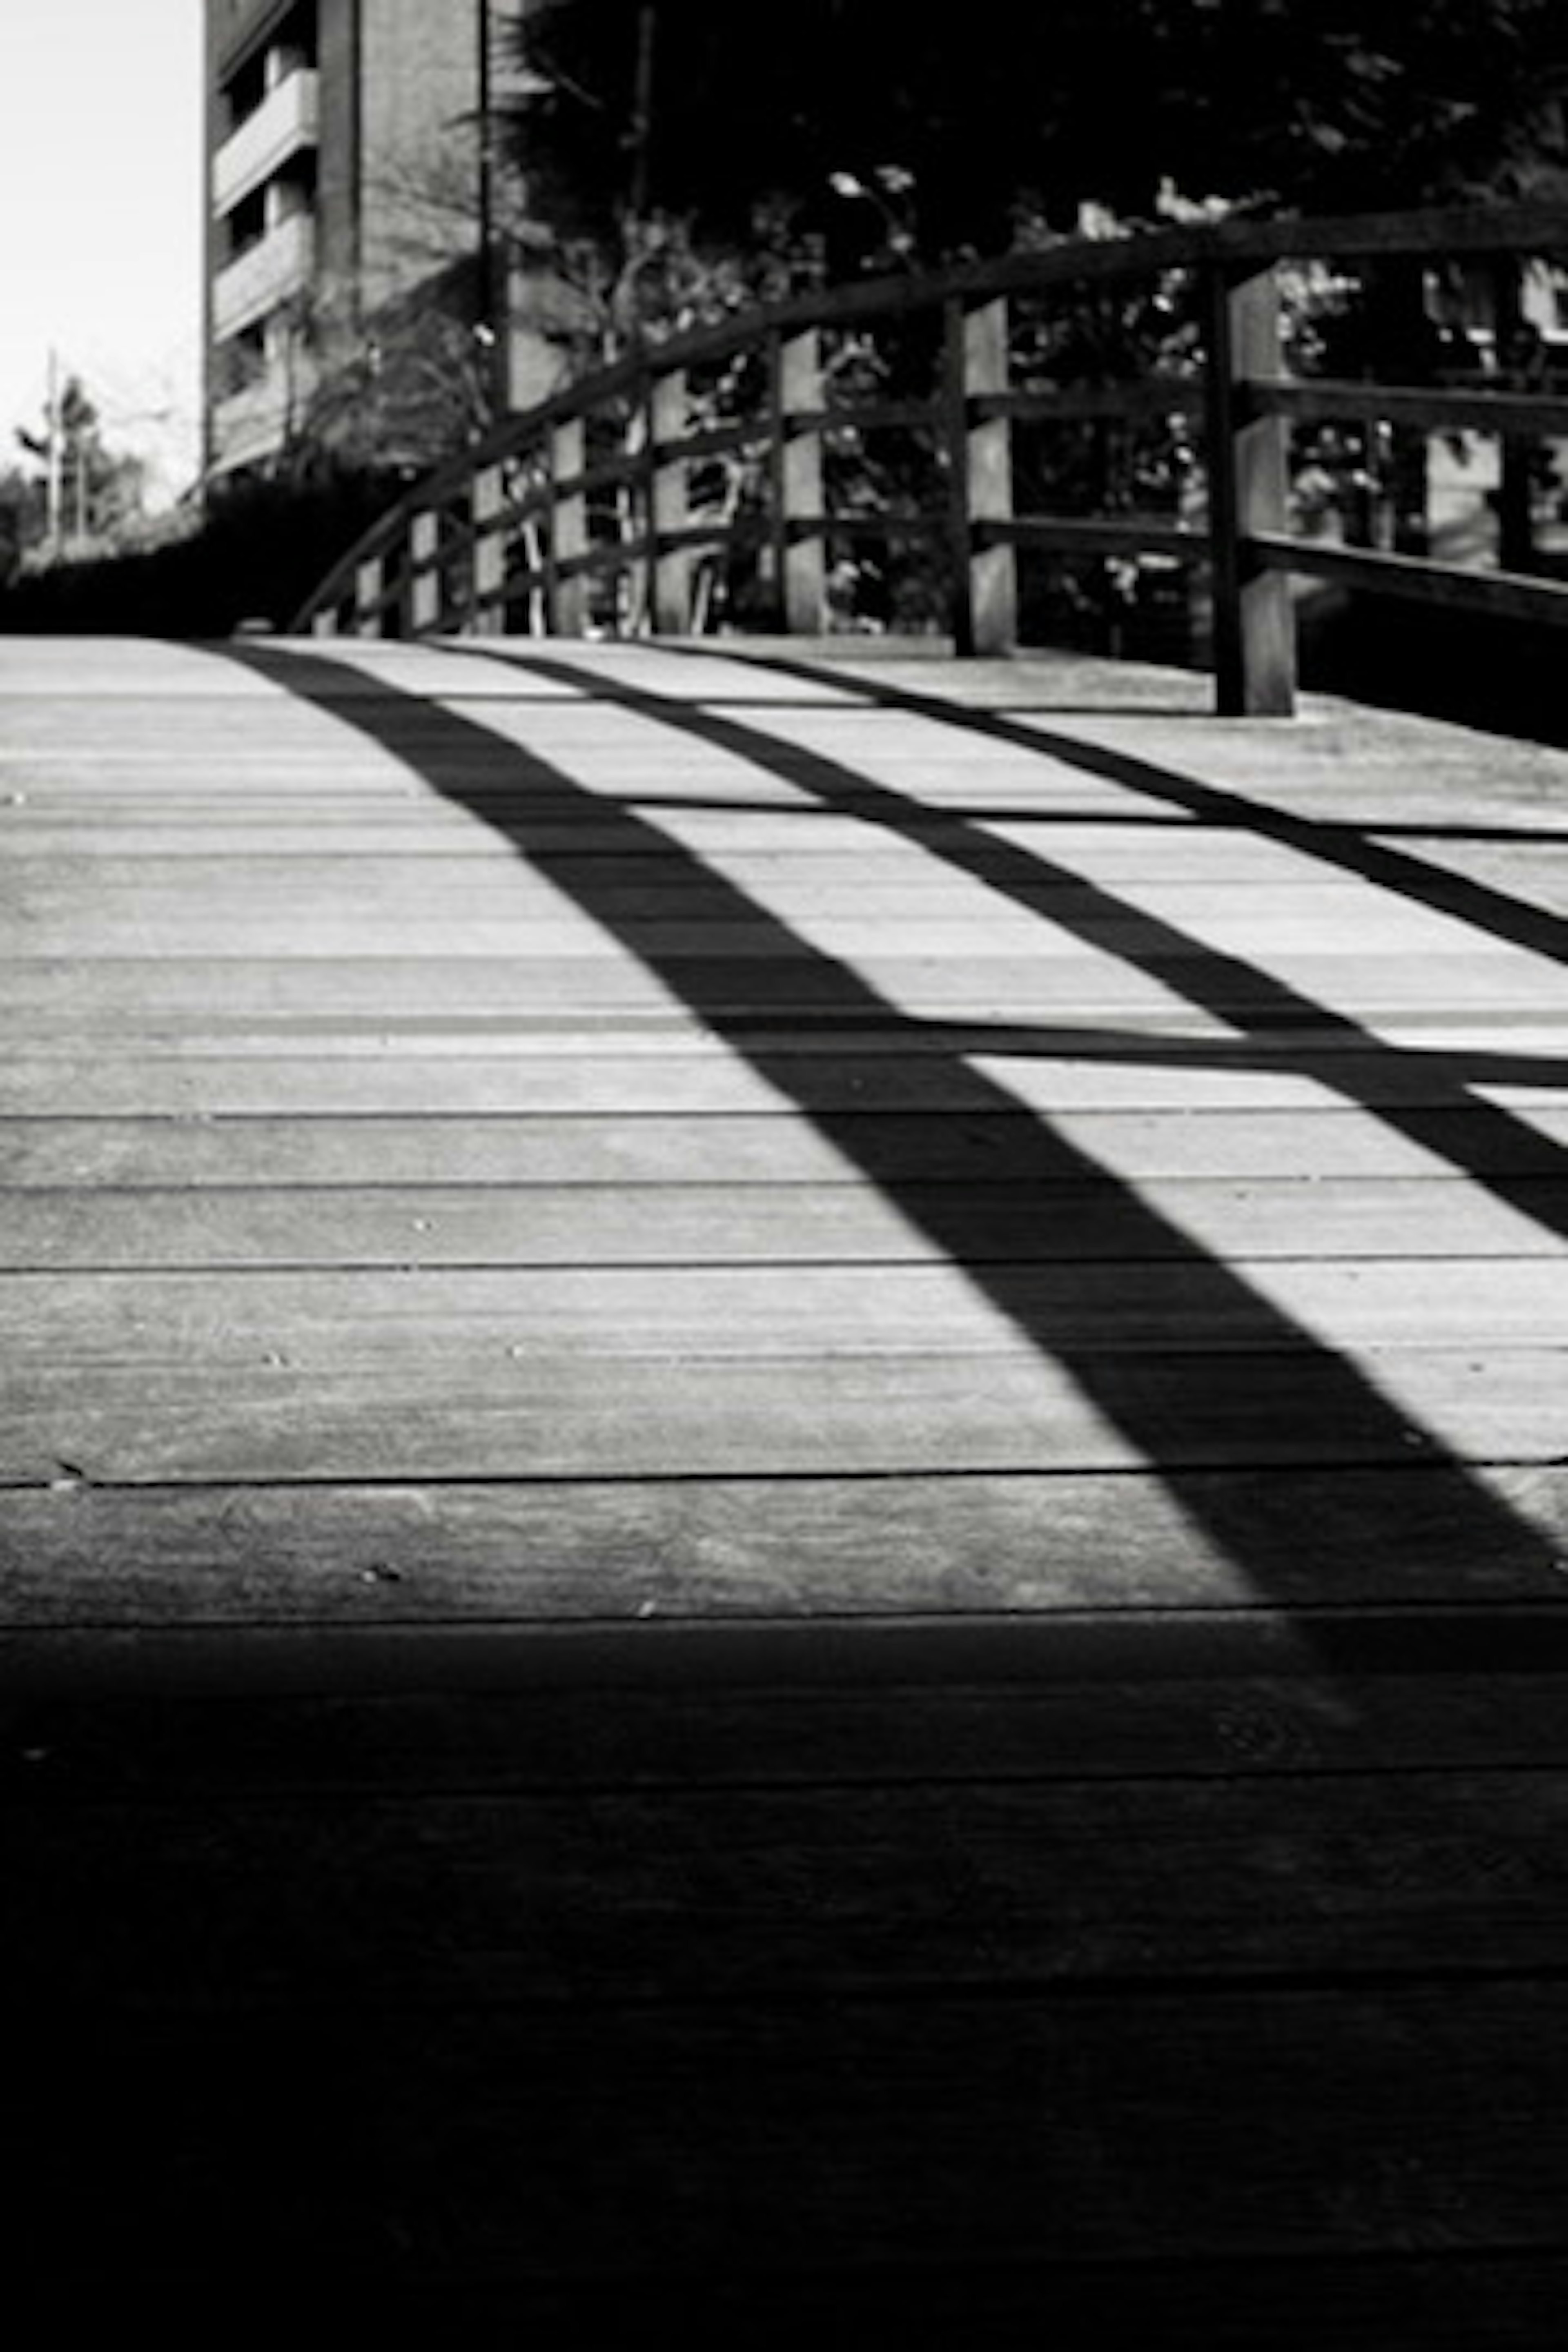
(1501, 1147)
(1182, 1428)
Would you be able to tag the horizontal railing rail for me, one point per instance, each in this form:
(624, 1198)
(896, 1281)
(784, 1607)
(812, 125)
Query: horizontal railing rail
(630, 499)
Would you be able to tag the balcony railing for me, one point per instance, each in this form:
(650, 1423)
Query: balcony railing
(286, 121)
(267, 273)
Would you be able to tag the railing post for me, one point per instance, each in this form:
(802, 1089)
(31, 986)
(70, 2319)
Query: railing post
(488, 569)
(1400, 350)
(984, 591)
(801, 555)
(669, 569)
(423, 577)
(1254, 613)
(370, 621)
(566, 595)
(1516, 454)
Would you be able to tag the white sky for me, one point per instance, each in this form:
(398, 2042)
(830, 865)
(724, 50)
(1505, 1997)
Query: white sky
(101, 198)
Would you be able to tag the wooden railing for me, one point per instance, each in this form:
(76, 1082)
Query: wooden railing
(636, 499)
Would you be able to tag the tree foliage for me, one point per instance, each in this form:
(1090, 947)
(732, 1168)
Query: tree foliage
(23, 518)
(1335, 105)
(1330, 104)
(99, 488)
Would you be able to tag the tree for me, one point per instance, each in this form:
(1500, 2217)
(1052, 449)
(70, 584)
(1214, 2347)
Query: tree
(24, 519)
(395, 391)
(1337, 105)
(91, 495)
(1308, 103)
(673, 167)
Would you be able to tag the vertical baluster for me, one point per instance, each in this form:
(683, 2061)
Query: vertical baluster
(800, 553)
(983, 592)
(669, 569)
(566, 594)
(1516, 524)
(370, 621)
(424, 574)
(1254, 619)
(487, 573)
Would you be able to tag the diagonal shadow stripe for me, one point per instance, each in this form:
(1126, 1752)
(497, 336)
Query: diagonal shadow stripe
(1187, 1427)
(1225, 986)
(1397, 1073)
(1348, 847)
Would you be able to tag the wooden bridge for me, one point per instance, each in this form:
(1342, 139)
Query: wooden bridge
(784, 1522)
(784, 1518)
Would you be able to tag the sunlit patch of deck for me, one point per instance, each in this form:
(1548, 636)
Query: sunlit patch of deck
(823, 1395)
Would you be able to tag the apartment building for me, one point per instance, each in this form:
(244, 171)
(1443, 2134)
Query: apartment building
(346, 176)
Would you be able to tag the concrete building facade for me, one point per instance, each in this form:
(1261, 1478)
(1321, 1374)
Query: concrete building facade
(346, 176)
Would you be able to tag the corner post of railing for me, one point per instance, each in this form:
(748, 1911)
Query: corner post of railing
(983, 600)
(423, 574)
(668, 567)
(566, 591)
(1248, 481)
(799, 542)
(486, 570)
(1516, 457)
(369, 580)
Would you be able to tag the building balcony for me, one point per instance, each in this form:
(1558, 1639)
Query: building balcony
(254, 423)
(286, 120)
(237, 25)
(281, 264)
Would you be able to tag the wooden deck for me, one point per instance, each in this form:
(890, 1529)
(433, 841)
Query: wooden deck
(784, 1532)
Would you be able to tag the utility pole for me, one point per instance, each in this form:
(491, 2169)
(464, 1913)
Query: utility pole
(492, 305)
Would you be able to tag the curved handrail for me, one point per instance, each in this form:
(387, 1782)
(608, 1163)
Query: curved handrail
(534, 478)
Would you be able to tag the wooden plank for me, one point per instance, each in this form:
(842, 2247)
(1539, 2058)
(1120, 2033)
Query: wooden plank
(342, 1318)
(613, 2142)
(484, 1412)
(375, 1075)
(683, 1739)
(330, 860)
(762, 1894)
(1288, 941)
(42, 1667)
(523, 916)
(109, 989)
(1280, 886)
(986, 1147)
(394, 1553)
(1514, 1043)
(106, 852)
(1401, 2302)
(698, 1225)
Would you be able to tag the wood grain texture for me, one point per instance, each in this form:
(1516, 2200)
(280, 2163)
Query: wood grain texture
(782, 1497)
(234, 1227)
(835, 1547)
